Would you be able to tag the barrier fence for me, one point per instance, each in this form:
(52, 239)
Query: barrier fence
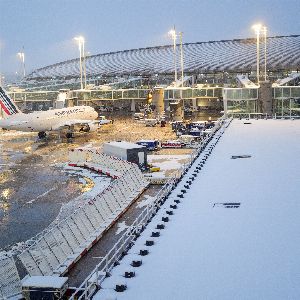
(10, 284)
(63, 245)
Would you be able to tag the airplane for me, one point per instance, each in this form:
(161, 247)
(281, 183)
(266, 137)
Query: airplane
(46, 121)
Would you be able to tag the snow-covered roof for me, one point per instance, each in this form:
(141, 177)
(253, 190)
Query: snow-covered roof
(123, 145)
(213, 250)
(45, 282)
(238, 55)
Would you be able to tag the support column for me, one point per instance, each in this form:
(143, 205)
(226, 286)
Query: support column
(176, 110)
(132, 105)
(61, 100)
(265, 98)
(158, 102)
(194, 104)
(193, 80)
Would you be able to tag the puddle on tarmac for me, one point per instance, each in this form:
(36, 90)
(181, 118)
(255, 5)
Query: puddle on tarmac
(31, 190)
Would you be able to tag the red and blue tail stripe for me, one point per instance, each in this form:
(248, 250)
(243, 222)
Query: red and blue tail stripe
(7, 104)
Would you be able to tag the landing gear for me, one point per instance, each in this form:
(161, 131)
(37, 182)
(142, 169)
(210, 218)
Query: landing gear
(42, 135)
(85, 128)
(69, 135)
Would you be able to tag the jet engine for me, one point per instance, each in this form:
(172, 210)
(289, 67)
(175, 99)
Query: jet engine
(92, 127)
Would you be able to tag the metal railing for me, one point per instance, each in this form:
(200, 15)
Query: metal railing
(54, 251)
(97, 276)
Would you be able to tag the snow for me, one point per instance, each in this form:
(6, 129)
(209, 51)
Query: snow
(45, 282)
(147, 141)
(40, 196)
(124, 145)
(167, 157)
(167, 163)
(100, 184)
(207, 252)
(147, 199)
(121, 227)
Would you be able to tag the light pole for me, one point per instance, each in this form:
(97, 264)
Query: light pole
(21, 55)
(257, 28)
(172, 33)
(80, 41)
(84, 66)
(264, 30)
(181, 57)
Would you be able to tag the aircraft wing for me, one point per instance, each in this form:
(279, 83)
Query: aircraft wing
(65, 123)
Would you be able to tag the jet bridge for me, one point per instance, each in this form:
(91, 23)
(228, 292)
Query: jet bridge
(292, 78)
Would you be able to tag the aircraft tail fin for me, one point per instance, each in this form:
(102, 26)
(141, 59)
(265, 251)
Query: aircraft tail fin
(7, 105)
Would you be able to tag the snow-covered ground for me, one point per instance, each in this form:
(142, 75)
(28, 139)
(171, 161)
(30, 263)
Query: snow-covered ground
(97, 184)
(208, 251)
(168, 164)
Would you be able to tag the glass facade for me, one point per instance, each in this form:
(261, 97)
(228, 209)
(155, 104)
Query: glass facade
(242, 107)
(189, 93)
(240, 94)
(287, 101)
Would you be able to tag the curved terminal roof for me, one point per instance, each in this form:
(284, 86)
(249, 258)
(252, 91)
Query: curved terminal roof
(238, 55)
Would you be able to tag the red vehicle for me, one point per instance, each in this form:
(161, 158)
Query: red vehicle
(171, 144)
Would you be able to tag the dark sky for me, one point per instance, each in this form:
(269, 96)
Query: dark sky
(46, 27)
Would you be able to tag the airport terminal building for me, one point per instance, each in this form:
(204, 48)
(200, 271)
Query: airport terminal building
(214, 62)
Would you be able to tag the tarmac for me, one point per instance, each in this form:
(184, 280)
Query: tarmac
(33, 185)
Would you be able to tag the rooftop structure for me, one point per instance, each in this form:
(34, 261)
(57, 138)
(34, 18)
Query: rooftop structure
(124, 145)
(238, 55)
(234, 234)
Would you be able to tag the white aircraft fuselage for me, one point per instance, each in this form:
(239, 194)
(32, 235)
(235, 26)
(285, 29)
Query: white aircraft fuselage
(51, 120)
